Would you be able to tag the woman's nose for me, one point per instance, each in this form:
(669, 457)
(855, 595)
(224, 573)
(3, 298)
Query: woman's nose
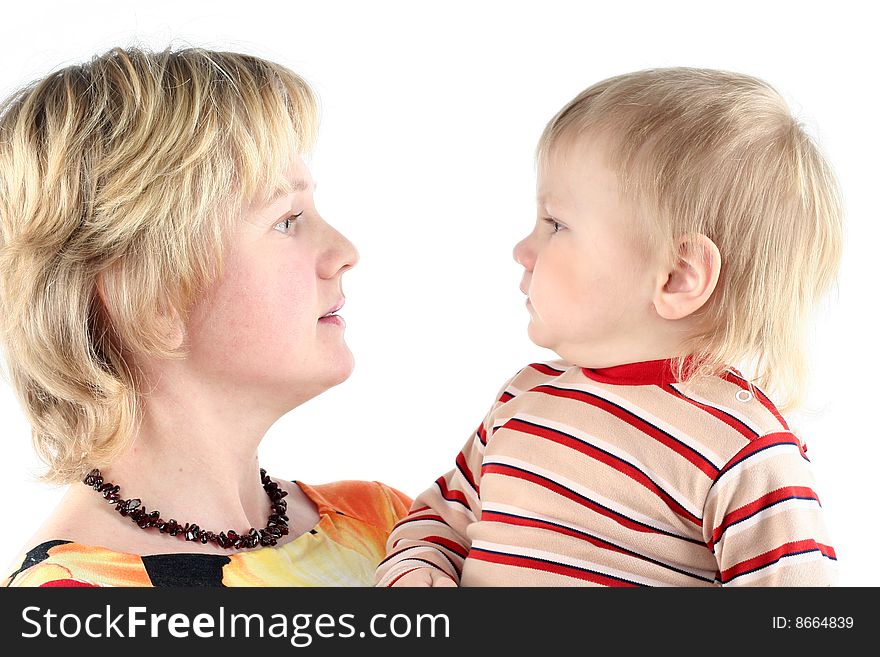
(341, 255)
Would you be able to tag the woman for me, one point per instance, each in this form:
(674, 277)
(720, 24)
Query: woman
(167, 292)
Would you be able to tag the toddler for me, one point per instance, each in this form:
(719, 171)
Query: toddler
(686, 226)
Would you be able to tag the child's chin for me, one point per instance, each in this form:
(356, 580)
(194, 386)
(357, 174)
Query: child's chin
(540, 337)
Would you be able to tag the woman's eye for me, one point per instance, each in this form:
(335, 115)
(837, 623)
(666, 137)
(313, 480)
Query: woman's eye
(287, 222)
(556, 225)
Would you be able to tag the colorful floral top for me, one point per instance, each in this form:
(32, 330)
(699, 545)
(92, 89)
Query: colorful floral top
(343, 549)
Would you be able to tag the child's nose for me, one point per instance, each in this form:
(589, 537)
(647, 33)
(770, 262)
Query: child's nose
(524, 254)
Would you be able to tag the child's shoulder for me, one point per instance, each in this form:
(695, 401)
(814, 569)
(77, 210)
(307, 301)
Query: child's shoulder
(533, 375)
(744, 419)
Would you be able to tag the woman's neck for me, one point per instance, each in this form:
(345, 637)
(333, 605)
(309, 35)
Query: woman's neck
(194, 459)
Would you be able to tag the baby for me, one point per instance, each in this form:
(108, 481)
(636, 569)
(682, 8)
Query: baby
(686, 225)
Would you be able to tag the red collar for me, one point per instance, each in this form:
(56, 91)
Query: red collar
(656, 372)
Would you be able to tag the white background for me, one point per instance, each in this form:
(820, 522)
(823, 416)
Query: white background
(430, 118)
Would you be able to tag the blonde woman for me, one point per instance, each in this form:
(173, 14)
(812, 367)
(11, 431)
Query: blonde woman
(168, 291)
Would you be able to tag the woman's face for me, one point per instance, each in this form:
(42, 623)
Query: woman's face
(260, 329)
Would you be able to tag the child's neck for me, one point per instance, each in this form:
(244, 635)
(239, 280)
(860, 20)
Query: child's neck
(664, 343)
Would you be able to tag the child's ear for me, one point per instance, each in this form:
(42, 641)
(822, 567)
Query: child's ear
(687, 285)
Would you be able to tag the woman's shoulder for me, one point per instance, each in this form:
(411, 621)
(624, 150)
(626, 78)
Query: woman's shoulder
(369, 501)
(62, 562)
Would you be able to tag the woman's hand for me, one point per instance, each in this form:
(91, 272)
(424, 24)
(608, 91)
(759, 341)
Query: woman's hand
(425, 577)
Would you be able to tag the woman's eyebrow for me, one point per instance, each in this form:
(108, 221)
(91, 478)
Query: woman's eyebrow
(297, 185)
(300, 185)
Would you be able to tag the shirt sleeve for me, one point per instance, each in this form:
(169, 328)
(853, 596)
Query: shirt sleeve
(434, 533)
(763, 519)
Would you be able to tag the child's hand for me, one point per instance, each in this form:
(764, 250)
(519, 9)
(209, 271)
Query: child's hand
(425, 577)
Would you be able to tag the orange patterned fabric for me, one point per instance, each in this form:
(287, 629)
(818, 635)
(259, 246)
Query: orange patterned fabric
(343, 549)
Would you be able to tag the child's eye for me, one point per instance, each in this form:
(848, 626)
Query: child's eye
(287, 222)
(556, 225)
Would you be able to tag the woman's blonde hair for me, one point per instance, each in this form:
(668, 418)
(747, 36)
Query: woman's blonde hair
(130, 171)
(716, 153)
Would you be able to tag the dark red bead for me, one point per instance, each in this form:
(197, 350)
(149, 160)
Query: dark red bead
(276, 526)
(130, 505)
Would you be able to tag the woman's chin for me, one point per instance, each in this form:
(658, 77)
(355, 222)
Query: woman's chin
(339, 368)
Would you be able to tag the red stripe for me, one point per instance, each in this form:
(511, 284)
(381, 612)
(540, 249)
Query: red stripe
(765, 441)
(466, 471)
(732, 422)
(490, 516)
(765, 401)
(706, 466)
(546, 369)
(505, 397)
(449, 544)
(67, 583)
(558, 569)
(405, 572)
(481, 434)
(603, 457)
(409, 519)
(495, 468)
(451, 494)
(760, 504)
(767, 558)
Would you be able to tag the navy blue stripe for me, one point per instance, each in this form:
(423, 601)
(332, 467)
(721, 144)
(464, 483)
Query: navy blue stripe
(465, 475)
(639, 417)
(420, 519)
(422, 547)
(623, 549)
(732, 464)
(784, 499)
(754, 570)
(613, 456)
(714, 408)
(556, 563)
(464, 504)
(534, 366)
(612, 511)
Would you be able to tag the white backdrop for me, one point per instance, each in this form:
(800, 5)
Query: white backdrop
(430, 118)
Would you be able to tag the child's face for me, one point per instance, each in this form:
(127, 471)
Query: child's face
(260, 331)
(589, 283)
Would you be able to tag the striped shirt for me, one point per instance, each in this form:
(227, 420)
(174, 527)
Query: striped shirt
(621, 476)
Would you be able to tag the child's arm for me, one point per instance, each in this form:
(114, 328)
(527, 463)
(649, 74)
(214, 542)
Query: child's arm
(429, 546)
(764, 521)
(431, 543)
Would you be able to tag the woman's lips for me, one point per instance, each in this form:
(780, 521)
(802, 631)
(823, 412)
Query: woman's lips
(336, 320)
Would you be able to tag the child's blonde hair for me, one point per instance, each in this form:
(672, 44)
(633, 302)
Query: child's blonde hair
(130, 170)
(716, 153)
